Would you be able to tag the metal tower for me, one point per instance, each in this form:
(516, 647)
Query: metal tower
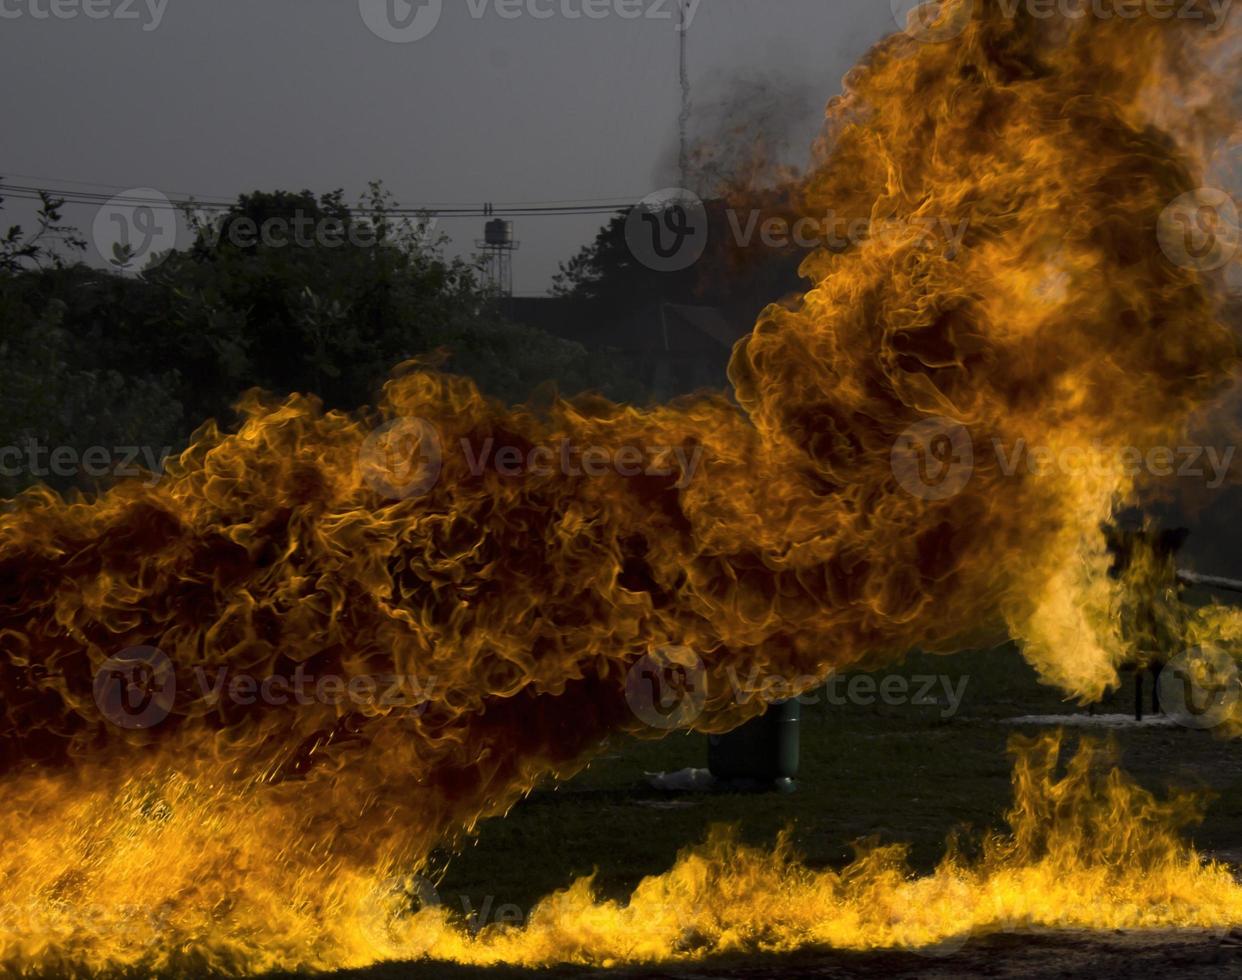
(498, 246)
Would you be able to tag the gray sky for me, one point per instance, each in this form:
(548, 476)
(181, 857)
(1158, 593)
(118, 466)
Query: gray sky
(217, 97)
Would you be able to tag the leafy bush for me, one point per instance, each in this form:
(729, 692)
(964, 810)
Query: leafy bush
(98, 357)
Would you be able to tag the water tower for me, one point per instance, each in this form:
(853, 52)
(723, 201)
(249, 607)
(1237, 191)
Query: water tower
(498, 246)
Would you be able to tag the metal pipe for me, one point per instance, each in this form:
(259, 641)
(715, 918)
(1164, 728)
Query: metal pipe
(1208, 581)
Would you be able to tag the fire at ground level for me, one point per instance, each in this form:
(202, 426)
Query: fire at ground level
(900, 773)
(1169, 956)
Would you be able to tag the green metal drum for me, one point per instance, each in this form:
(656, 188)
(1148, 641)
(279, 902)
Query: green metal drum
(761, 754)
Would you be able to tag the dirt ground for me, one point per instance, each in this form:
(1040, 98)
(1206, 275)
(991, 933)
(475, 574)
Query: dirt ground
(1159, 956)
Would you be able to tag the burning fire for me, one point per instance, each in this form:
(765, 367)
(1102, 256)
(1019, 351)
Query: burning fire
(1087, 850)
(243, 835)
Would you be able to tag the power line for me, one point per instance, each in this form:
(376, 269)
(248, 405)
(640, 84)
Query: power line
(24, 192)
(41, 180)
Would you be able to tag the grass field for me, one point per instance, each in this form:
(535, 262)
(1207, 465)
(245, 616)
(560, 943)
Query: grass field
(897, 773)
(900, 773)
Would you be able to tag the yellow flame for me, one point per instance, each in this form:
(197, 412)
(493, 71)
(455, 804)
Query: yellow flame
(1085, 849)
(859, 503)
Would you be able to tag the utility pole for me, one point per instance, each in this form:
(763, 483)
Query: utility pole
(683, 120)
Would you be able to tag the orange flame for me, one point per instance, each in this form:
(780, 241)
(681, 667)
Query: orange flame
(850, 510)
